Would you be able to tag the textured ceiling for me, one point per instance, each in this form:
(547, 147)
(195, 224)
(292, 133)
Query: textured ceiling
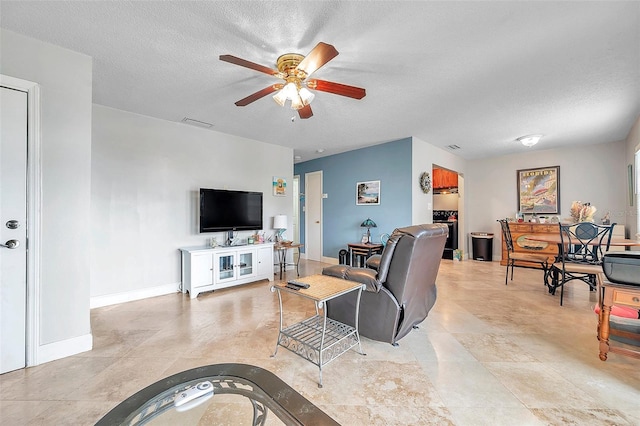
(473, 74)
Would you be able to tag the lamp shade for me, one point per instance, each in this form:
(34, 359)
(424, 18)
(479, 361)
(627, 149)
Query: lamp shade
(280, 97)
(280, 221)
(306, 96)
(368, 223)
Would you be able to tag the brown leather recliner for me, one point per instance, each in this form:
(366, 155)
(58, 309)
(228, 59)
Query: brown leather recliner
(400, 284)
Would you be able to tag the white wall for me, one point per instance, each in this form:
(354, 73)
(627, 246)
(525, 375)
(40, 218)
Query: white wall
(65, 79)
(146, 174)
(593, 173)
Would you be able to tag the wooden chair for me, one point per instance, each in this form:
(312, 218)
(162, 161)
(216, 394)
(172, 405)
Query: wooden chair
(513, 256)
(580, 255)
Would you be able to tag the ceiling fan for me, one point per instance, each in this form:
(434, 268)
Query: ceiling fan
(295, 70)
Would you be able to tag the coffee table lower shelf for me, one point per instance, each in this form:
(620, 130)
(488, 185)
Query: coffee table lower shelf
(307, 340)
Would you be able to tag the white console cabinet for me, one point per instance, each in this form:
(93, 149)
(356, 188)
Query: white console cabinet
(206, 269)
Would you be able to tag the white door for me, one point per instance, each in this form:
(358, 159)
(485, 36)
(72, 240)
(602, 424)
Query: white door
(296, 209)
(313, 222)
(13, 228)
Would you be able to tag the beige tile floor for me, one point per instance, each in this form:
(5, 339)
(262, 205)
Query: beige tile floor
(488, 354)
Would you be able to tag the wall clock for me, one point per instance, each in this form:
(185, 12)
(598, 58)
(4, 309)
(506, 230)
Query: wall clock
(425, 182)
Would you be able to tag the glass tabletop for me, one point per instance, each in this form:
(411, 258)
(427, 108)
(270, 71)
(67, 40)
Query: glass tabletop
(219, 394)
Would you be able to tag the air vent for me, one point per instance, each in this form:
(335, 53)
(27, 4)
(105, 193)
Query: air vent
(197, 123)
(453, 146)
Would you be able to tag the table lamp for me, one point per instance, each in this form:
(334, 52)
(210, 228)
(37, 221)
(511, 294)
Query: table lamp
(368, 223)
(280, 225)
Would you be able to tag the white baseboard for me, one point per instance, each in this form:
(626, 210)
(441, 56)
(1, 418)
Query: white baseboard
(331, 260)
(130, 296)
(63, 349)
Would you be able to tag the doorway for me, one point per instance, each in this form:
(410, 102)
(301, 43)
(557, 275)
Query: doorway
(313, 216)
(448, 190)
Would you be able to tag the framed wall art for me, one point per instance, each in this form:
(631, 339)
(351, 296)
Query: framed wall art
(368, 193)
(539, 190)
(279, 186)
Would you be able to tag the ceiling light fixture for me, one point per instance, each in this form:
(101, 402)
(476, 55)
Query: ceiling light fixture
(529, 140)
(294, 89)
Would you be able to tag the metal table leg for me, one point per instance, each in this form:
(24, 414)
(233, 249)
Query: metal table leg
(273, 288)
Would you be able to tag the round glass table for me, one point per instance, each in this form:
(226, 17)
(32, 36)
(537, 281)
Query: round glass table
(233, 394)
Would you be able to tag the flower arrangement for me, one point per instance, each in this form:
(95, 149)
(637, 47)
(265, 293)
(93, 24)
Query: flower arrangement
(582, 212)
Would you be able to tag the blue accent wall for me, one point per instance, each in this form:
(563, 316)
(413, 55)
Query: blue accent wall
(390, 163)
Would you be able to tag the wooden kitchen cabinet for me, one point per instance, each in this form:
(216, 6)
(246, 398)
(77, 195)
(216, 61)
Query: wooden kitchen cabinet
(444, 179)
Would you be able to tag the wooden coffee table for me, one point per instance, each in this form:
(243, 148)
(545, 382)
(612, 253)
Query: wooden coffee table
(319, 339)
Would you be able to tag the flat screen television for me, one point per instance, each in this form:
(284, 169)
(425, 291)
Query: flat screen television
(224, 210)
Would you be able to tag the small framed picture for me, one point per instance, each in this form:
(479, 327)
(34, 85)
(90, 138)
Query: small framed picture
(365, 239)
(279, 186)
(368, 193)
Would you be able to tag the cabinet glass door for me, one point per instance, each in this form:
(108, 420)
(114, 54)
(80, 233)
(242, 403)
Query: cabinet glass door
(224, 265)
(246, 267)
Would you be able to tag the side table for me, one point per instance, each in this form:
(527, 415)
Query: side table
(365, 250)
(319, 339)
(615, 294)
(281, 250)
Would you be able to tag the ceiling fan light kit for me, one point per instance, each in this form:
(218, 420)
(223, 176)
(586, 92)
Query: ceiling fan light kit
(294, 69)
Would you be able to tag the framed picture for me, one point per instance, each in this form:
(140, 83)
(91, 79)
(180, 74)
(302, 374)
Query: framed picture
(539, 190)
(279, 186)
(368, 193)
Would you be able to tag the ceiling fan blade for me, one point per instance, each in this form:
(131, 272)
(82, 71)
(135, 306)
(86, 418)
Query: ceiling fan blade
(248, 64)
(305, 112)
(319, 55)
(337, 88)
(259, 94)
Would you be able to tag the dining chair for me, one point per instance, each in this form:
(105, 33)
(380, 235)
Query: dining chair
(580, 254)
(513, 256)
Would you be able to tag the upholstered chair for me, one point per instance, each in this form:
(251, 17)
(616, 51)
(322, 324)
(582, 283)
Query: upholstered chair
(400, 284)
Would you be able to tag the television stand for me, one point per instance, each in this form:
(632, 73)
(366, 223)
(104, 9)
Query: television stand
(206, 269)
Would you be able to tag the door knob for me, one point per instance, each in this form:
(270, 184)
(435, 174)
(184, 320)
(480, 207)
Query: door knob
(11, 244)
(317, 221)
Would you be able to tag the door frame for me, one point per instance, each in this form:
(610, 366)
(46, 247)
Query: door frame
(34, 219)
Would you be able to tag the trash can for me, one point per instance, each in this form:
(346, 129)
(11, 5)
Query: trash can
(482, 246)
(343, 257)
